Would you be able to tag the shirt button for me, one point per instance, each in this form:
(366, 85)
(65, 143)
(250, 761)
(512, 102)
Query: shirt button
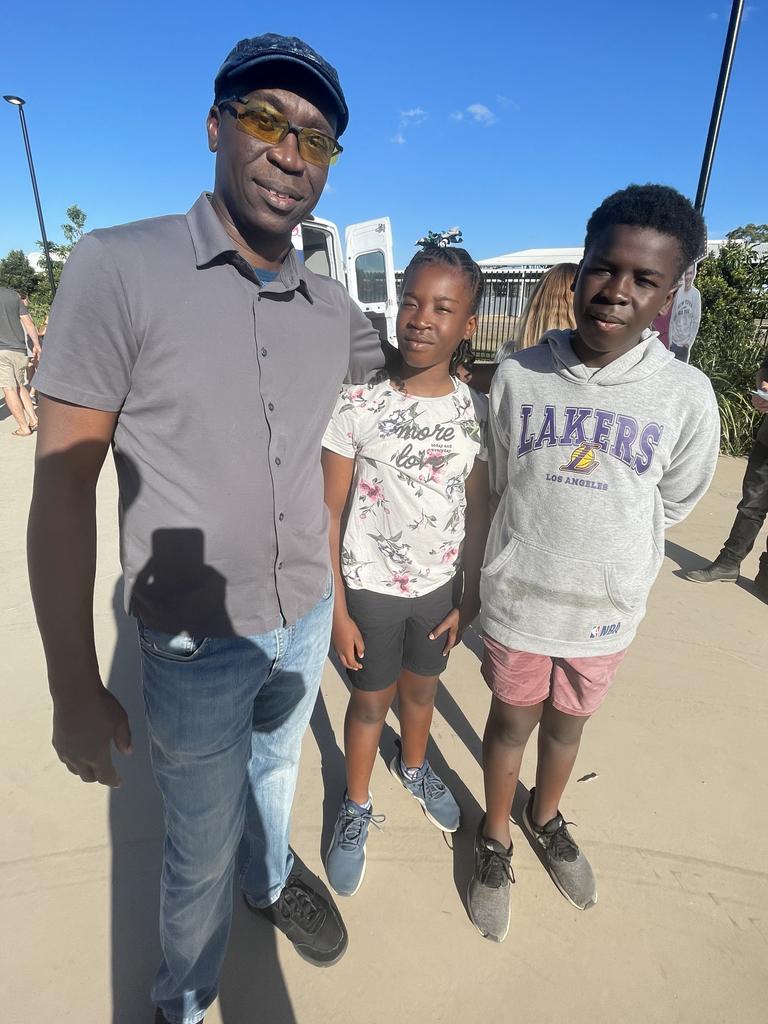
(279, 565)
(281, 517)
(271, 407)
(263, 351)
(277, 460)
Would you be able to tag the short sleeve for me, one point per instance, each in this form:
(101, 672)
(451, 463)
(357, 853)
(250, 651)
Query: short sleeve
(339, 435)
(480, 402)
(366, 349)
(90, 344)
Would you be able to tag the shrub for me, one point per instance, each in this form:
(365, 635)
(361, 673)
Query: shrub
(729, 348)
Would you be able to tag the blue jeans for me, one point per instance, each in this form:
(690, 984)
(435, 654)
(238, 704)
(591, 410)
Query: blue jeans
(225, 718)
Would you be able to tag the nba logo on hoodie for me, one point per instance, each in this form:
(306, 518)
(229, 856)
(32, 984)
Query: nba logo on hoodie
(598, 632)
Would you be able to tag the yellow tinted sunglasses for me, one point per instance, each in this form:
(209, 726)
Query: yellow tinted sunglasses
(265, 123)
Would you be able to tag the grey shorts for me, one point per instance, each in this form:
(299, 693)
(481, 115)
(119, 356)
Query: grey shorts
(396, 634)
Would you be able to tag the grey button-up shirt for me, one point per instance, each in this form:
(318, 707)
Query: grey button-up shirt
(223, 388)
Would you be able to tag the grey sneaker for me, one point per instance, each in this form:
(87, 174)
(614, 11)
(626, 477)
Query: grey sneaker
(432, 793)
(488, 892)
(569, 868)
(345, 861)
(715, 572)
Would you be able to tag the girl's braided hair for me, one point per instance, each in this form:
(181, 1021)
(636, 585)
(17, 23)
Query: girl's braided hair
(458, 259)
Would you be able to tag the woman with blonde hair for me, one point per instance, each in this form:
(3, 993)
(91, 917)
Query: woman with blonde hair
(549, 308)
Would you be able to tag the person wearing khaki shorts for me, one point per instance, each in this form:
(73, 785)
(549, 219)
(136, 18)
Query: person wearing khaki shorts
(15, 322)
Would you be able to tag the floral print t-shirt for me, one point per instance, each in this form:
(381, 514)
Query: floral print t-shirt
(405, 522)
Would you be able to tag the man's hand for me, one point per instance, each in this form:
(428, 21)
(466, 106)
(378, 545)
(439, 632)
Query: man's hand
(347, 641)
(82, 735)
(454, 624)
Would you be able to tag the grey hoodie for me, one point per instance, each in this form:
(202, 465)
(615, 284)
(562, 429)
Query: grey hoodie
(590, 465)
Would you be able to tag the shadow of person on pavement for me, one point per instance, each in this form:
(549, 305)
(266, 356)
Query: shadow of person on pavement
(686, 560)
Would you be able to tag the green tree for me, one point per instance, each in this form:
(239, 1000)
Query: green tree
(15, 272)
(752, 234)
(730, 344)
(73, 230)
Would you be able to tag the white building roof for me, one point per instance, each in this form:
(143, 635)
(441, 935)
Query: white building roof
(550, 257)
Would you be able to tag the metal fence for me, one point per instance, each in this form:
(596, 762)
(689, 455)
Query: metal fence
(505, 294)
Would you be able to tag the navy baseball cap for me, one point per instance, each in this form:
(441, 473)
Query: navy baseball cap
(251, 54)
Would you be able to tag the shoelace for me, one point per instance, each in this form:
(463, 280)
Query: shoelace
(297, 903)
(353, 829)
(495, 867)
(560, 843)
(433, 785)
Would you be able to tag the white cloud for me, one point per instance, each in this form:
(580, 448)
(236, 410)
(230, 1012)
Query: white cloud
(481, 114)
(413, 117)
(329, 190)
(399, 139)
(506, 101)
(713, 16)
(749, 10)
(457, 115)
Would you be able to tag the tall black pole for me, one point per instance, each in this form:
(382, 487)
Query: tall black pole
(717, 106)
(16, 101)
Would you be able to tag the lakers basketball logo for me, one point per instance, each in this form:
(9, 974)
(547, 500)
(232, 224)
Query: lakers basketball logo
(582, 459)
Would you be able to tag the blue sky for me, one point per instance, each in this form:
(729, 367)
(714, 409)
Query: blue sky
(511, 119)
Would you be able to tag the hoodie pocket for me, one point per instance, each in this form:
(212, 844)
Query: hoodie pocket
(555, 596)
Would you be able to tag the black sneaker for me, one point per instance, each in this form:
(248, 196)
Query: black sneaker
(568, 867)
(313, 925)
(488, 892)
(715, 572)
(761, 581)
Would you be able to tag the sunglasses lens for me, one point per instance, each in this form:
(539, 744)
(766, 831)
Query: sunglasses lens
(317, 148)
(263, 125)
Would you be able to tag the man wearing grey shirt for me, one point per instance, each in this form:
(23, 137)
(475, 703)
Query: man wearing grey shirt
(215, 405)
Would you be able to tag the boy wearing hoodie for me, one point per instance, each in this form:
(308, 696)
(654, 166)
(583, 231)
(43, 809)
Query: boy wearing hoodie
(599, 440)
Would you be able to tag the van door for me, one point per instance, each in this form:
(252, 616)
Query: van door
(317, 242)
(371, 273)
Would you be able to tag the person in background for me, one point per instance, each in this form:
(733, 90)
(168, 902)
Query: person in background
(405, 471)
(751, 510)
(215, 406)
(599, 440)
(15, 326)
(549, 307)
(685, 316)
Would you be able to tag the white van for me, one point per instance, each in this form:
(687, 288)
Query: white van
(368, 271)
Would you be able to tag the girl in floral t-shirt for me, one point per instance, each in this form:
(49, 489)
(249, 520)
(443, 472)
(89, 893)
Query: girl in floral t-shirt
(406, 484)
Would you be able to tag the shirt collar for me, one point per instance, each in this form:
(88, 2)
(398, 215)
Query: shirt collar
(211, 242)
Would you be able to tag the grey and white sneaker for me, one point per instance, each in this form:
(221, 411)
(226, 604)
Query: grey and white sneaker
(488, 892)
(345, 860)
(569, 868)
(436, 799)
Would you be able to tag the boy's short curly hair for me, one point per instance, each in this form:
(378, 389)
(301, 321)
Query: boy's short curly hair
(652, 206)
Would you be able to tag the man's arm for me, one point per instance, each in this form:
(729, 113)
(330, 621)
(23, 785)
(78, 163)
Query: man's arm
(72, 443)
(345, 636)
(366, 349)
(31, 331)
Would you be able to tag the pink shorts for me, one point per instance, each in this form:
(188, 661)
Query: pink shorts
(575, 686)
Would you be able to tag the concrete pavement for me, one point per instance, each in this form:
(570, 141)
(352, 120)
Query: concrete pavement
(672, 821)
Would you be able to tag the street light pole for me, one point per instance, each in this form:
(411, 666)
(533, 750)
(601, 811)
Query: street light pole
(17, 101)
(717, 107)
